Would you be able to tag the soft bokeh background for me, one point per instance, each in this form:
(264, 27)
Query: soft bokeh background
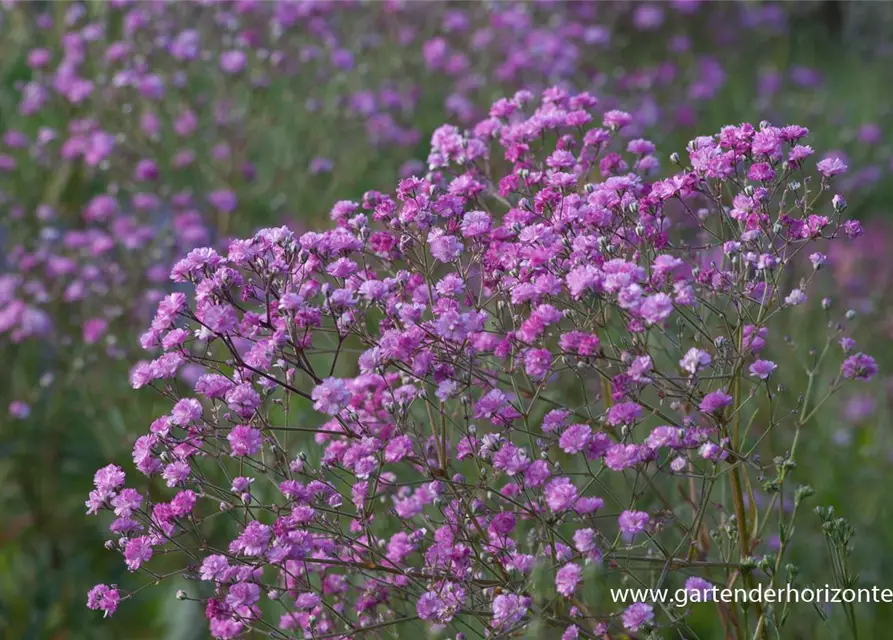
(133, 132)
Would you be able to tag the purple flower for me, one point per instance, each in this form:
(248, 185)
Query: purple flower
(636, 616)
(633, 522)
(753, 338)
(860, 408)
(494, 405)
(579, 343)
(571, 633)
(233, 61)
(510, 459)
(537, 363)
(243, 399)
(176, 473)
(567, 579)
(762, 369)
(444, 248)
(623, 413)
(853, 228)
(617, 119)
(441, 605)
(213, 385)
(715, 401)
(224, 200)
(699, 586)
(253, 541)
(218, 318)
(622, 456)
(94, 329)
(859, 367)
(795, 297)
(244, 441)
(694, 360)
(126, 502)
(711, 451)
(331, 396)
(397, 449)
(656, 308)
(109, 479)
(185, 46)
(648, 17)
(103, 598)
(19, 410)
(831, 166)
(183, 503)
(137, 552)
(475, 223)
(186, 411)
(508, 609)
(560, 494)
(243, 594)
(575, 438)
(582, 279)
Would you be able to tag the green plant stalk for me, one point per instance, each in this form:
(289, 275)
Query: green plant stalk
(737, 491)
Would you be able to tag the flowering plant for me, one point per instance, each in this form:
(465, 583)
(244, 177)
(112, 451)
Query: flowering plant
(522, 361)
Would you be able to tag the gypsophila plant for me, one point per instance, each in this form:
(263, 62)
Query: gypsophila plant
(166, 126)
(136, 132)
(532, 365)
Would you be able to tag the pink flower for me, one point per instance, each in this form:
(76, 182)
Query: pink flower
(243, 399)
(656, 308)
(103, 598)
(699, 586)
(331, 396)
(623, 413)
(19, 410)
(137, 552)
(560, 494)
(232, 61)
(244, 441)
(762, 369)
(831, 166)
(859, 367)
(637, 616)
(537, 363)
(715, 401)
(620, 456)
(94, 329)
(575, 438)
(567, 579)
(444, 248)
(186, 411)
(633, 522)
(694, 360)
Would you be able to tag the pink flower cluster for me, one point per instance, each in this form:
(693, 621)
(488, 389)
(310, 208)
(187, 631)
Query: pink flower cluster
(134, 141)
(509, 366)
(150, 125)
